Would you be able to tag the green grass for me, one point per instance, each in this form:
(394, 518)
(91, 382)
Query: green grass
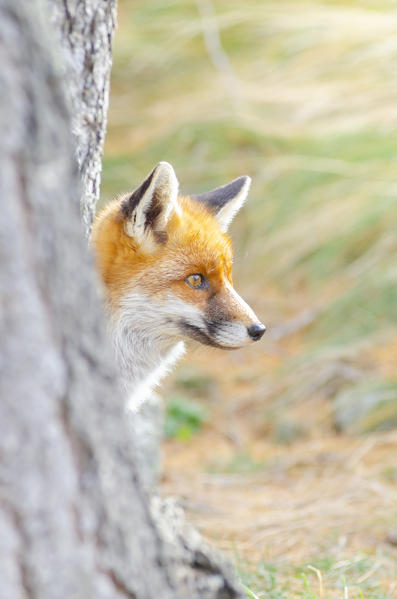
(183, 418)
(324, 576)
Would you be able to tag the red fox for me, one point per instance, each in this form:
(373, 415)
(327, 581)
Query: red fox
(166, 262)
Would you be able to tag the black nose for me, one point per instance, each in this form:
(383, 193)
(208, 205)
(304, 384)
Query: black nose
(256, 331)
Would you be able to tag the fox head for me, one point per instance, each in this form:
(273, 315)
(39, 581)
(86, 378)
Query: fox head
(167, 263)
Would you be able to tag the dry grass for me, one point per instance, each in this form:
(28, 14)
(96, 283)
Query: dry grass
(279, 503)
(328, 504)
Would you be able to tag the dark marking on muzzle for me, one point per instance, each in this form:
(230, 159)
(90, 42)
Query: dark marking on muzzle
(213, 327)
(198, 334)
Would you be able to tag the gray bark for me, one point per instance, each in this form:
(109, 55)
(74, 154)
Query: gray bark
(74, 520)
(85, 31)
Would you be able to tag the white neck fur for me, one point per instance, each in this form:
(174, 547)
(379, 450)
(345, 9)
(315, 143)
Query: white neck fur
(144, 355)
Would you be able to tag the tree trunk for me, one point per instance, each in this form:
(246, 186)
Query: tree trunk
(74, 521)
(85, 31)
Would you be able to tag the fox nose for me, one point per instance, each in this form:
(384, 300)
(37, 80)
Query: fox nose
(256, 331)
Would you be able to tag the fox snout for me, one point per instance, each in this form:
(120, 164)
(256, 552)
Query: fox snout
(256, 331)
(240, 320)
(232, 334)
(225, 321)
(224, 334)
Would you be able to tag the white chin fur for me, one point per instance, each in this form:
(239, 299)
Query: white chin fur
(232, 335)
(147, 339)
(158, 322)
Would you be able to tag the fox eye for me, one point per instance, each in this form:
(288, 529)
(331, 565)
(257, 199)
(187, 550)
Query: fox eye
(196, 281)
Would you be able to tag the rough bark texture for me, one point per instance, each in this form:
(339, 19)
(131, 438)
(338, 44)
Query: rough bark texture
(74, 521)
(147, 425)
(85, 30)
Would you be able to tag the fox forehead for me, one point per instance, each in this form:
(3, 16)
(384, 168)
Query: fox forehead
(193, 243)
(195, 239)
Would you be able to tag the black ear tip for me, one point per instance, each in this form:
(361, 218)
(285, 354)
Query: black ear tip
(237, 185)
(244, 180)
(219, 197)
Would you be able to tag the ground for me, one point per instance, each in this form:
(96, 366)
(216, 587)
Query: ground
(296, 516)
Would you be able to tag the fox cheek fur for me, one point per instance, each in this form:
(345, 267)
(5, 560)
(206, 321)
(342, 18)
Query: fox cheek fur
(166, 262)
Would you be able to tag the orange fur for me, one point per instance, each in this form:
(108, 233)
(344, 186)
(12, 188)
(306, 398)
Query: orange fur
(195, 245)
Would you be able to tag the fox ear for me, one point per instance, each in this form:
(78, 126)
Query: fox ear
(224, 202)
(147, 210)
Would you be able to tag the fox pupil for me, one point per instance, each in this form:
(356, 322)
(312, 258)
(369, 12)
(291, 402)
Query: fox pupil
(196, 281)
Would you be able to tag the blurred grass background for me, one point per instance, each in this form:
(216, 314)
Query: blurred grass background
(301, 96)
